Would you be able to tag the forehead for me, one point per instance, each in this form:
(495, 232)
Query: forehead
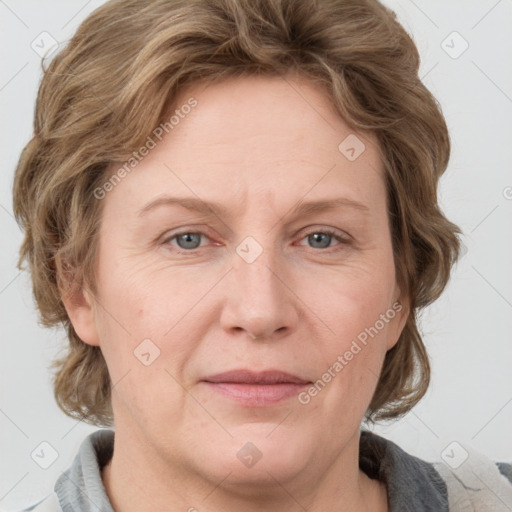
(282, 112)
(267, 137)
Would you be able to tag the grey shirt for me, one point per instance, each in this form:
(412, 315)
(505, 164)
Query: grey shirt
(412, 484)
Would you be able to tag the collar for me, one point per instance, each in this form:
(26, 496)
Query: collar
(412, 483)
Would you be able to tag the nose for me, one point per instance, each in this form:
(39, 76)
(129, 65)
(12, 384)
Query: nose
(259, 301)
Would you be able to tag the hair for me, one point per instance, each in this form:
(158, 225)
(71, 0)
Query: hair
(104, 93)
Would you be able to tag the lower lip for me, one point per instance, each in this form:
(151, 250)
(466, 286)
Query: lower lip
(256, 395)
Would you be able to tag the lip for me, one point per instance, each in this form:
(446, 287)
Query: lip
(266, 377)
(256, 389)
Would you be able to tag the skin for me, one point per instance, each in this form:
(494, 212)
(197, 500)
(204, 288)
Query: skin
(258, 146)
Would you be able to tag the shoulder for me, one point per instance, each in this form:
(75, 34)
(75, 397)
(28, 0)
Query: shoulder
(476, 482)
(465, 482)
(83, 474)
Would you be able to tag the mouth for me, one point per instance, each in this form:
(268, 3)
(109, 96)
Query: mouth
(256, 389)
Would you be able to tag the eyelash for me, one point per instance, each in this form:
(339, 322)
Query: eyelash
(325, 231)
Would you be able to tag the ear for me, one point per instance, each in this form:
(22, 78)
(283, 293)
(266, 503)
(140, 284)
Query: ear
(80, 304)
(401, 309)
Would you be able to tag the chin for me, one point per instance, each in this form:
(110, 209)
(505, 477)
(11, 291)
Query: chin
(253, 457)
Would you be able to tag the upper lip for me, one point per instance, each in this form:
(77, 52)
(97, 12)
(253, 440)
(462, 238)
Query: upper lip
(250, 377)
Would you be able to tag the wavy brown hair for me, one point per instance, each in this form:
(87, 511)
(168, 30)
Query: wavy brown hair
(116, 80)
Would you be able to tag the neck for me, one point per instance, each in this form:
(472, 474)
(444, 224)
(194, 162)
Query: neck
(139, 479)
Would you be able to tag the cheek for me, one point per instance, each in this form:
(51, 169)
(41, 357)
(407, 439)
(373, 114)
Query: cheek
(350, 299)
(144, 354)
(148, 313)
(355, 305)
(144, 298)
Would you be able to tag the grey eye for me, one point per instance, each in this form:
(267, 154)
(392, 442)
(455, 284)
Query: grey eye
(320, 240)
(189, 240)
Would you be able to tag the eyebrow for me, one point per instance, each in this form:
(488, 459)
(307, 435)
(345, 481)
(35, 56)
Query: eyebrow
(302, 208)
(307, 207)
(190, 203)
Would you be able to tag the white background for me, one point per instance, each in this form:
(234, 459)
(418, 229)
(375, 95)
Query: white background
(467, 332)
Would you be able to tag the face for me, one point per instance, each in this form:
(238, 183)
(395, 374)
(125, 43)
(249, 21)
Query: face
(246, 289)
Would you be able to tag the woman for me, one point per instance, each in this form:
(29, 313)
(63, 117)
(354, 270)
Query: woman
(231, 206)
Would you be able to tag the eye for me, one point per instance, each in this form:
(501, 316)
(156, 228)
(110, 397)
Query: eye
(187, 240)
(321, 239)
(318, 239)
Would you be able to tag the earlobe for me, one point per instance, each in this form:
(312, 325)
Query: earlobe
(81, 308)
